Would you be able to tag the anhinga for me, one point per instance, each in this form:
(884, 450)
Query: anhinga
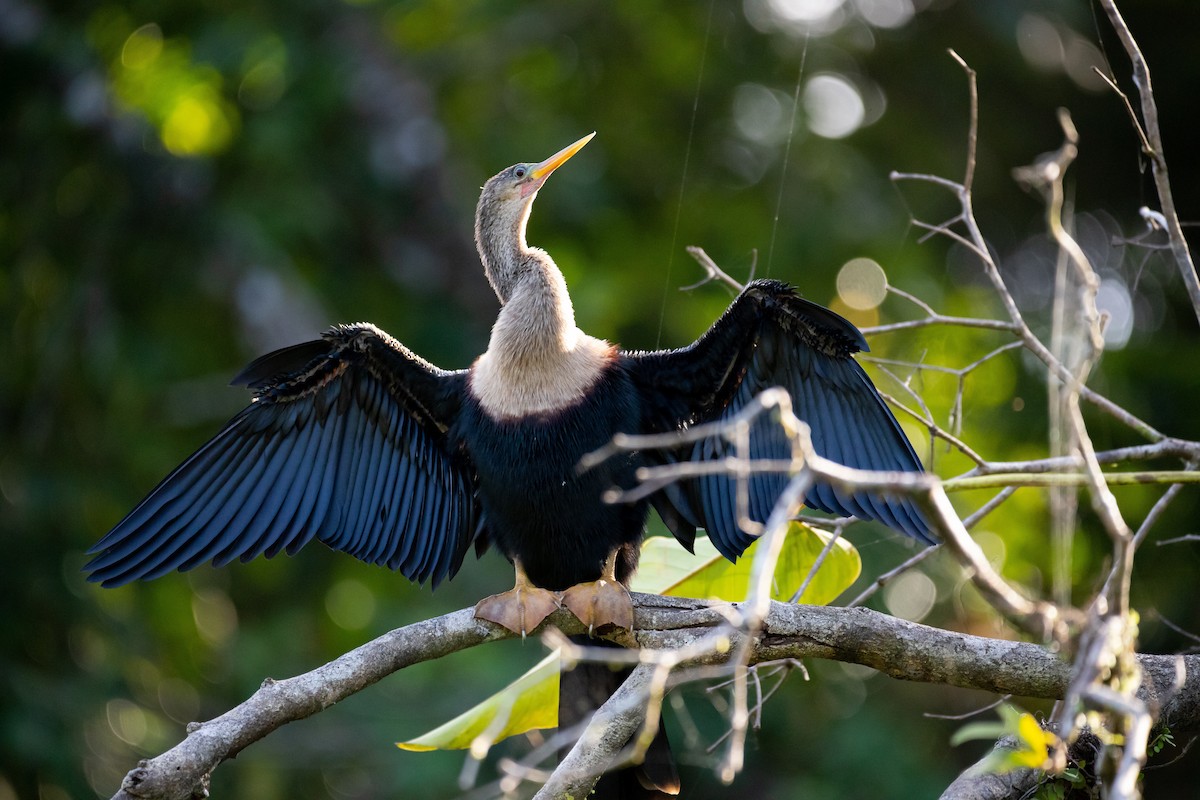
(356, 441)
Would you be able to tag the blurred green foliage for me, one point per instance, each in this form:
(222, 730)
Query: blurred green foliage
(185, 186)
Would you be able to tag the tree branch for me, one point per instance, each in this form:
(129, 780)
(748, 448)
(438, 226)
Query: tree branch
(977, 782)
(901, 649)
(178, 772)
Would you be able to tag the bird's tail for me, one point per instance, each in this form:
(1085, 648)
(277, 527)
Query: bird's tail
(582, 690)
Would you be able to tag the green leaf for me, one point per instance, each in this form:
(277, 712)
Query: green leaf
(666, 568)
(529, 702)
(977, 730)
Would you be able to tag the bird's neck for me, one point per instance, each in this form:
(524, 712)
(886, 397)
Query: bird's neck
(537, 361)
(536, 324)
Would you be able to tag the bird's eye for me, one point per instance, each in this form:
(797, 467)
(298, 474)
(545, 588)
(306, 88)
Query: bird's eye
(520, 172)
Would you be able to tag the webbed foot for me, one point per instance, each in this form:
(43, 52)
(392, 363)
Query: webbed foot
(520, 609)
(602, 602)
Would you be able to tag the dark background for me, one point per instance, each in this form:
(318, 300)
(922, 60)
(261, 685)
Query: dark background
(177, 199)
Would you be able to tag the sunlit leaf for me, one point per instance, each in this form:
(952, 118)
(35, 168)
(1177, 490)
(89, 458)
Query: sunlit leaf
(666, 568)
(528, 703)
(1032, 741)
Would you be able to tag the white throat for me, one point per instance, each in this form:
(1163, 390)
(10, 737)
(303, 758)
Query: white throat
(537, 361)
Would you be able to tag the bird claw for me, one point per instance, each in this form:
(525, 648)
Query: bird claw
(520, 609)
(600, 603)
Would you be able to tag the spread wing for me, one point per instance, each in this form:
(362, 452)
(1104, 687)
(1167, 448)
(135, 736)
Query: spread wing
(345, 442)
(769, 337)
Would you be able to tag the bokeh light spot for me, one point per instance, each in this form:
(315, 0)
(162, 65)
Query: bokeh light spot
(835, 108)
(804, 10)
(886, 13)
(760, 114)
(993, 546)
(1039, 42)
(157, 79)
(861, 283)
(864, 318)
(264, 77)
(215, 616)
(910, 596)
(350, 604)
(190, 126)
(127, 721)
(143, 47)
(179, 699)
(1113, 299)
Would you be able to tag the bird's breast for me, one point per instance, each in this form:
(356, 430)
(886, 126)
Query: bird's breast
(511, 383)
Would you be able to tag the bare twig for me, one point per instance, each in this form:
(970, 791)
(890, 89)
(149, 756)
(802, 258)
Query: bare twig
(997, 479)
(973, 128)
(1166, 448)
(1191, 537)
(1133, 117)
(999, 701)
(713, 272)
(1158, 159)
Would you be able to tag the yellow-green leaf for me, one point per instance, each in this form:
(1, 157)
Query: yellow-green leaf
(1030, 750)
(529, 702)
(666, 568)
(1034, 740)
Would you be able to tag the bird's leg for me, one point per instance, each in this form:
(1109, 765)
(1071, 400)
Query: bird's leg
(602, 602)
(522, 608)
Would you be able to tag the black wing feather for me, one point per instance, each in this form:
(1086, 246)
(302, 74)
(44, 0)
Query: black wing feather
(345, 442)
(769, 337)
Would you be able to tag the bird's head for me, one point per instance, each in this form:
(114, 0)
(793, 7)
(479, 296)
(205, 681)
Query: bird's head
(503, 210)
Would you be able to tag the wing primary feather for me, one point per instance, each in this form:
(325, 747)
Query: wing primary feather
(410, 511)
(392, 527)
(159, 537)
(334, 531)
(161, 509)
(424, 536)
(166, 501)
(224, 520)
(292, 507)
(429, 519)
(255, 512)
(444, 539)
(195, 530)
(400, 505)
(439, 533)
(350, 538)
(367, 480)
(327, 514)
(430, 523)
(383, 505)
(411, 548)
(374, 499)
(345, 436)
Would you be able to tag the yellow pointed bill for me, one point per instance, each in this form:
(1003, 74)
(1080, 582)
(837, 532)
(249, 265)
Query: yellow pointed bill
(542, 171)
